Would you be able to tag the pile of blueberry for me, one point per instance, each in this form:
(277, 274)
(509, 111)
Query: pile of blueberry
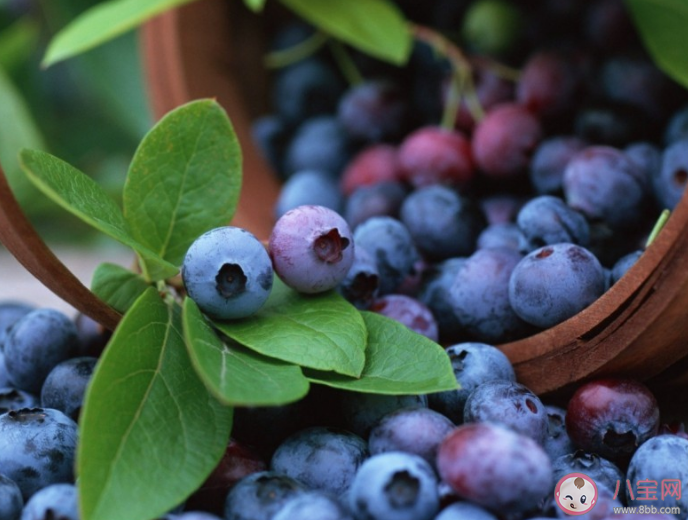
(491, 450)
(538, 196)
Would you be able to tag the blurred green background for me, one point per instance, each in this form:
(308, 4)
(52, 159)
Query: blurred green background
(90, 111)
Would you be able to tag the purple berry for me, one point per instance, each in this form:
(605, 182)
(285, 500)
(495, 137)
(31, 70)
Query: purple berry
(549, 163)
(557, 442)
(311, 248)
(409, 311)
(612, 417)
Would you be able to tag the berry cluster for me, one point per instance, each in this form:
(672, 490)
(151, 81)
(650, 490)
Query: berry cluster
(533, 197)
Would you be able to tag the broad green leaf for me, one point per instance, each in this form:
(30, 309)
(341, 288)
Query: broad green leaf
(320, 331)
(398, 362)
(184, 180)
(234, 374)
(103, 22)
(255, 5)
(662, 25)
(117, 286)
(18, 130)
(150, 433)
(18, 42)
(376, 27)
(80, 195)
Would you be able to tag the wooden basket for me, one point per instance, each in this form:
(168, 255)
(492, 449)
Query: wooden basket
(639, 328)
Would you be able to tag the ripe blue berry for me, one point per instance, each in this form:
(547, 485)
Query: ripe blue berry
(557, 442)
(57, 501)
(408, 311)
(547, 220)
(65, 386)
(321, 458)
(602, 471)
(361, 284)
(228, 273)
(13, 399)
(312, 505)
(35, 344)
(465, 511)
(11, 501)
(555, 282)
(311, 248)
(309, 187)
(37, 447)
(394, 486)
(260, 495)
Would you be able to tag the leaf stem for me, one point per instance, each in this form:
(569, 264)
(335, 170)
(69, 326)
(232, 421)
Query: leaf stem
(346, 63)
(661, 221)
(296, 53)
(460, 64)
(453, 100)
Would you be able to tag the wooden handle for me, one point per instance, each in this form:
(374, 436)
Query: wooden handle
(22, 240)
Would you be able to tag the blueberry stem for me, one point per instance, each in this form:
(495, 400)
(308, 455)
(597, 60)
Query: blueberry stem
(451, 107)
(458, 61)
(22, 240)
(345, 63)
(663, 217)
(296, 53)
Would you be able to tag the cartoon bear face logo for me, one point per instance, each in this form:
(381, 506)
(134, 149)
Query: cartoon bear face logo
(576, 494)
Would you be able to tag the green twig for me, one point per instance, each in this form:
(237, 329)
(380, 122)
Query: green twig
(346, 63)
(663, 217)
(453, 100)
(296, 53)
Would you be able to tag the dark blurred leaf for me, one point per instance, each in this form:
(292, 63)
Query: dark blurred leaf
(255, 5)
(662, 25)
(18, 42)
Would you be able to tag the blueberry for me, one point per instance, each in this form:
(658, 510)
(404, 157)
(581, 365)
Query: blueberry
(415, 430)
(271, 135)
(361, 412)
(383, 199)
(673, 175)
(557, 442)
(553, 283)
(321, 144)
(661, 458)
(504, 141)
(13, 399)
(53, 502)
(465, 511)
(11, 501)
(648, 157)
(260, 495)
(501, 207)
(677, 128)
(480, 296)
(374, 164)
(408, 311)
(65, 385)
(547, 220)
(228, 273)
(389, 242)
(35, 344)
(495, 467)
(510, 404)
(602, 471)
(394, 486)
(37, 447)
(432, 155)
(610, 124)
(623, 264)
(374, 111)
(321, 458)
(443, 223)
(361, 283)
(10, 313)
(612, 417)
(311, 249)
(549, 163)
(194, 515)
(434, 293)
(309, 187)
(93, 337)
(473, 365)
(4, 377)
(306, 89)
(603, 507)
(312, 505)
(605, 185)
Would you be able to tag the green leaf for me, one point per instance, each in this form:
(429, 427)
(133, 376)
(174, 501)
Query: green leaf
(255, 5)
(80, 195)
(101, 23)
(150, 433)
(398, 362)
(18, 130)
(321, 331)
(376, 27)
(18, 42)
(662, 25)
(235, 375)
(184, 180)
(117, 286)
